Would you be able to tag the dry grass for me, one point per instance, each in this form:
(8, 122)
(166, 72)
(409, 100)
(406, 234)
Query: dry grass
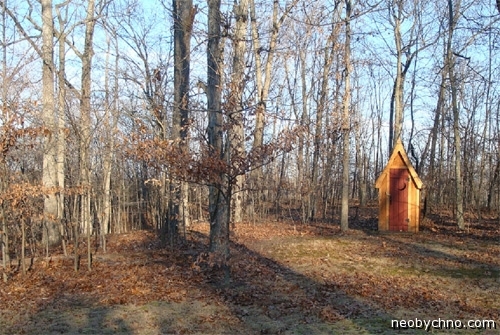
(285, 279)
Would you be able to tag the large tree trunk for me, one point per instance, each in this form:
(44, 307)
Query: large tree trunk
(344, 214)
(405, 51)
(183, 13)
(261, 85)
(220, 195)
(85, 126)
(256, 176)
(397, 93)
(235, 105)
(450, 65)
(110, 122)
(51, 232)
(61, 138)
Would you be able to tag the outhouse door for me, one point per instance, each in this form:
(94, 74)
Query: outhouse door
(398, 205)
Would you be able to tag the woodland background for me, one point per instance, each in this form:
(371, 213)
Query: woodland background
(122, 115)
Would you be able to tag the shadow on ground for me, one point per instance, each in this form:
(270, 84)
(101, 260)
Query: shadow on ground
(140, 288)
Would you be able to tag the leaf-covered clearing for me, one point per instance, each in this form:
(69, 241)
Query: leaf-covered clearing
(285, 279)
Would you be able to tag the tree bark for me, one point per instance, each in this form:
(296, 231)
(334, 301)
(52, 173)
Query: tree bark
(404, 59)
(183, 13)
(110, 122)
(61, 138)
(302, 163)
(450, 65)
(85, 126)
(51, 232)
(344, 215)
(433, 176)
(397, 94)
(3, 167)
(235, 106)
(219, 194)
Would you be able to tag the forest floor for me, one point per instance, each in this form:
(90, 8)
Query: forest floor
(286, 278)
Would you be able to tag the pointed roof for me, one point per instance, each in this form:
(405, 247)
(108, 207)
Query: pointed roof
(399, 158)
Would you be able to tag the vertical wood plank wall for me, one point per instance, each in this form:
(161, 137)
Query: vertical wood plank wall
(399, 160)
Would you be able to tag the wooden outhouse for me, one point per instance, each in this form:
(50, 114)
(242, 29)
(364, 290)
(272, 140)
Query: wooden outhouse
(399, 193)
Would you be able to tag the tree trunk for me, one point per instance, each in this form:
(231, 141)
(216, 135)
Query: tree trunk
(397, 94)
(3, 167)
(51, 232)
(432, 178)
(85, 124)
(403, 50)
(61, 138)
(302, 163)
(5, 244)
(5, 229)
(450, 62)
(262, 87)
(235, 105)
(110, 122)
(329, 56)
(360, 165)
(183, 13)
(219, 197)
(344, 215)
(263, 79)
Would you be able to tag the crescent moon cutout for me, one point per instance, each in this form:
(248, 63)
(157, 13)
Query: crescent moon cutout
(404, 186)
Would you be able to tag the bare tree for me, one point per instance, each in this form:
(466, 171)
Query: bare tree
(263, 74)
(406, 52)
(110, 123)
(86, 125)
(50, 176)
(453, 16)
(183, 13)
(219, 198)
(330, 53)
(61, 106)
(346, 128)
(235, 103)
(3, 167)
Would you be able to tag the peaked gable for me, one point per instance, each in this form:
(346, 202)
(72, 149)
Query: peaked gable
(399, 159)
